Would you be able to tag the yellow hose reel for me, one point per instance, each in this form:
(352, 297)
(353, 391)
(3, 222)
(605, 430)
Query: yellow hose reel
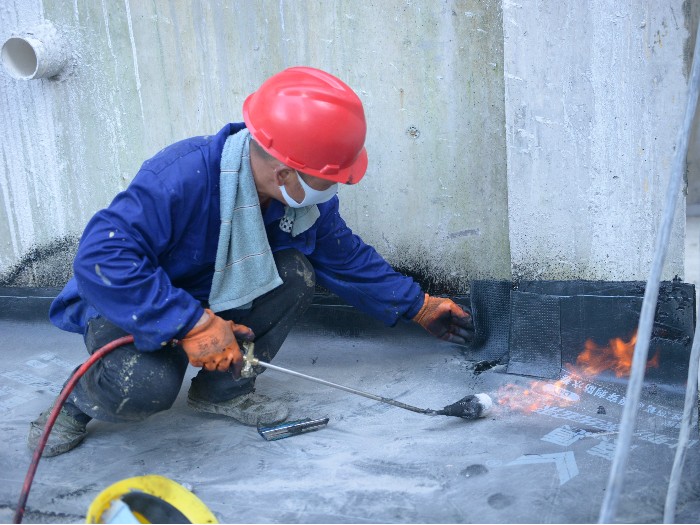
(148, 499)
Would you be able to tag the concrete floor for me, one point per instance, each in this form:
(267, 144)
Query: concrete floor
(373, 463)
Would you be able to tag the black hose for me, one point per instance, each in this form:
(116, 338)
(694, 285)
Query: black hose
(19, 513)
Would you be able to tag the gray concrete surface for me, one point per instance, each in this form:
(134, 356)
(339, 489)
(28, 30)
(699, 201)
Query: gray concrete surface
(522, 139)
(692, 260)
(373, 463)
(589, 87)
(692, 252)
(145, 74)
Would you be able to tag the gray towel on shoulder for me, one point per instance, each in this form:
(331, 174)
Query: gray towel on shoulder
(245, 268)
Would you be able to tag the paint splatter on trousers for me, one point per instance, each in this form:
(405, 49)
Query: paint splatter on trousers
(130, 385)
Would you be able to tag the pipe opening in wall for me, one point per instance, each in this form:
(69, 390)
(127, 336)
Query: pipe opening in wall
(19, 58)
(37, 53)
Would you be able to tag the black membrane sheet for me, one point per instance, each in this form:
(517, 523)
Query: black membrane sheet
(548, 324)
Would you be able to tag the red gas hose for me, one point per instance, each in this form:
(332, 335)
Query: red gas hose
(19, 513)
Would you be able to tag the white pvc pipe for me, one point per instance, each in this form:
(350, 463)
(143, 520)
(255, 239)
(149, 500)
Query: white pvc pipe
(36, 53)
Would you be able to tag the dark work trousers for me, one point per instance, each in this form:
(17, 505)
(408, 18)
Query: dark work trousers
(130, 385)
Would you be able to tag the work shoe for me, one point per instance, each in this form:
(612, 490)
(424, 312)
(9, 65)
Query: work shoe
(66, 434)
(250, 409)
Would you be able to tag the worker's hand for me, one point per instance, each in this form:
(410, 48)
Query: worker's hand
(445, 320)
(212, 343)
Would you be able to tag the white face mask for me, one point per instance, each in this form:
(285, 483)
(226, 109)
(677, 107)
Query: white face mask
(311, 196)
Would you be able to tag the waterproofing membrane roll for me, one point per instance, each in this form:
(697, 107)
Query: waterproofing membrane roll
(602, 319)
(535, 336)
(490, 305)
(551, 322)
(596, 321)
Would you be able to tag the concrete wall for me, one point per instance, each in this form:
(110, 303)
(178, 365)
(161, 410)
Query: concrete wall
(434, 200)
(563, 180)
(693, 194)
(595, 95)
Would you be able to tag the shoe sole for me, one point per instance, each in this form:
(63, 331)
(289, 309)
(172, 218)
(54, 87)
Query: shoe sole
(51, 449)
(252, 421)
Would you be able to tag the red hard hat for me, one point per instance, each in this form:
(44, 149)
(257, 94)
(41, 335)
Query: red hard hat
(311, 121)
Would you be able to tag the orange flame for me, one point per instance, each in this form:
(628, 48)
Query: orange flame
(594, 360)
(617, 357)
(535, 396)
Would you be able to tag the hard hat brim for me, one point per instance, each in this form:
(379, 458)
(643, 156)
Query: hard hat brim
(353, 173)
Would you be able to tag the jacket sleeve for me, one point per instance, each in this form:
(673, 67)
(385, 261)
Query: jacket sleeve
(117, 270)
(358, 274)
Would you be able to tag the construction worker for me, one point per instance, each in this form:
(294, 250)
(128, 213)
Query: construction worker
(224, 237)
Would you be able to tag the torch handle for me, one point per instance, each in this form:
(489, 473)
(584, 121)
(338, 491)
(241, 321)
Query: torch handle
(251, 360)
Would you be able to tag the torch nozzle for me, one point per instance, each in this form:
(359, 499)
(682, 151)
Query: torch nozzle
(469, 407)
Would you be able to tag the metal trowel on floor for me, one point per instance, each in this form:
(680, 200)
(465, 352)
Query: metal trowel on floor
(291, 428)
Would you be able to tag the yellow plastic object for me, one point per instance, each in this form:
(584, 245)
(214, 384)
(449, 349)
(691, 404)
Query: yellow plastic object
(150, 499)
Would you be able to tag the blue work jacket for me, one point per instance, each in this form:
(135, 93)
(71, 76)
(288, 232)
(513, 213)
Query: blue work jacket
(146, 262)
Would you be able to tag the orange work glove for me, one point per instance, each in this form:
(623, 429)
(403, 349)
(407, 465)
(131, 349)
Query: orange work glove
(445, 320)
(213, 346)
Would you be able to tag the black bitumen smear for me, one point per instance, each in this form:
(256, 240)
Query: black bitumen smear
(46, 265)
(432, 282)
(50, 264)
(483, 366)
